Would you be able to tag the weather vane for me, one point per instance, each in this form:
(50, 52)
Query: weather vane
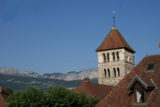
(114, 17)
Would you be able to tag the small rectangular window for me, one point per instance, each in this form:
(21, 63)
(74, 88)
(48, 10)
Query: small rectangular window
(140, 96)
(150, 67)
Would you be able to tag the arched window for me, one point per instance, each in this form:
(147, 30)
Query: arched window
(117, 56)
(113, 54)
(104, 57)
(126, 58)
(105, 73)
(118, 70)
(108, 57)
(114, 72)
(108, 72)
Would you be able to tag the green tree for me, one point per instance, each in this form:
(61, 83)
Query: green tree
(31, 97)
(62, 97)
(54, 97)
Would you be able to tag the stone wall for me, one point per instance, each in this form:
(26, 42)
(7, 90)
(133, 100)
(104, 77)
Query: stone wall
(123, 62)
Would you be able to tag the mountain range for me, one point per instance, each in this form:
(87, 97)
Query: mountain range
(20, 79)
(91, 73)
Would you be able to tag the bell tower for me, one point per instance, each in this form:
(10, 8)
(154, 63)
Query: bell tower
(115, 58)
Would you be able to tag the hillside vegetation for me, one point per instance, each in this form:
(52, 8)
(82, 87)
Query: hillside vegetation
(19, 82)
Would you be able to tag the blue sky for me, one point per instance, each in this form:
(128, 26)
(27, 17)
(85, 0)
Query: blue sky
(47, 36)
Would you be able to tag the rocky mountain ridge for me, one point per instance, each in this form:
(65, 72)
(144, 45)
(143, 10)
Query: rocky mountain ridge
(16, 72)
(91, 73)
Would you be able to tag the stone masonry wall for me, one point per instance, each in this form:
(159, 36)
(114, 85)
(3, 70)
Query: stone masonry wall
(124, 64)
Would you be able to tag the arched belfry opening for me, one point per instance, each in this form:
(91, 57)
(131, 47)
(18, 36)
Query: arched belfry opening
(118, 72)
(108, 72)
(114, 71)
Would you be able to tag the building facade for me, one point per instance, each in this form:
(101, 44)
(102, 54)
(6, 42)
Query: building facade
(115, 58)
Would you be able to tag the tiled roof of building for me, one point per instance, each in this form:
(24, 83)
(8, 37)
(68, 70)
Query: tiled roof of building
(3, 97)
(119, 96)
(146, 82)
(114, 40)
(93, 89)
(2, 101)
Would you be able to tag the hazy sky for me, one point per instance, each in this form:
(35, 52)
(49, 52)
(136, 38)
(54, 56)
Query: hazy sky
(48, 36)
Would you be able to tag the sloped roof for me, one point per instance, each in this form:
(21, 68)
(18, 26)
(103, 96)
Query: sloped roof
(3, 97)
(93, 89)
(2, 101)
(114, 40)
(119, 97)
(146, 83)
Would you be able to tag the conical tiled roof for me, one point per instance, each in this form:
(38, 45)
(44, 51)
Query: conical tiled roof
(114, 40)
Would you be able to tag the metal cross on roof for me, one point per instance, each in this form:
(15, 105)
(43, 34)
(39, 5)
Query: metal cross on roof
(114, 17)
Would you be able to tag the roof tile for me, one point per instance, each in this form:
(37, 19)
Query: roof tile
(93, 89)
(114, 40)
(119, 97)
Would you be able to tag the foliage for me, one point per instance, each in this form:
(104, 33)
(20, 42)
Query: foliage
(31, 97)
(54, 97)
(8, 91)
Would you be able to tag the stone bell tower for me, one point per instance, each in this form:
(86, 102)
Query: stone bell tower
(115, 58)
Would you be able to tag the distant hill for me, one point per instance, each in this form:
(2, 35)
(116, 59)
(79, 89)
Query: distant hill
(15, 72)
(91, 73)
(19, 79)
(19, 82)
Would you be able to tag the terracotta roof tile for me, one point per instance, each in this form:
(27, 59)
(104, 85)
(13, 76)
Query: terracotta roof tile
(93, 89)
(3, 97)
(2, 101)
(114, 40)
(119, 97)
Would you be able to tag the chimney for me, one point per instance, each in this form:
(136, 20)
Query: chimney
(86, 80)
(0, 89)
